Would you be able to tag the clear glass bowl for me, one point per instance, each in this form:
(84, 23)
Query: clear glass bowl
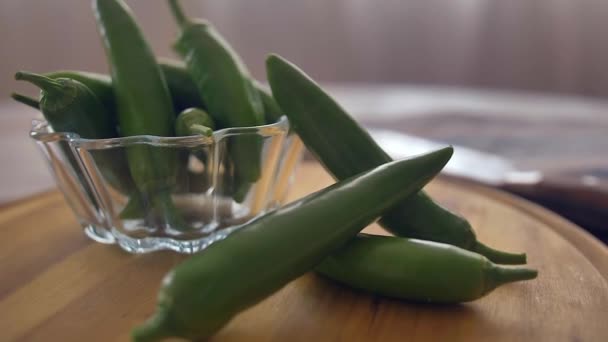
(188, 191)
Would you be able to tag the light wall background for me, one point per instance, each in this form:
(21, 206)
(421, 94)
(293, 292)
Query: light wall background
(558, 46)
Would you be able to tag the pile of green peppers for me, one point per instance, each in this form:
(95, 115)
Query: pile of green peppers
(433, 257)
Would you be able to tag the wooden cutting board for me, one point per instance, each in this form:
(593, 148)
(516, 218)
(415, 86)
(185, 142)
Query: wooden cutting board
(56, 285)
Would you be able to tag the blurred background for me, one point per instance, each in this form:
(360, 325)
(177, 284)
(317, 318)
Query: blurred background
(552, 46)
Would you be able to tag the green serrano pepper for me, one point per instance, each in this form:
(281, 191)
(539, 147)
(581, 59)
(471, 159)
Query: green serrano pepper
(99, 84)
(417, 270)
(181, 87)
(226, 88)
(71, 107)
(203, 293)
(144, 106)
(345, 149)
(272, 111)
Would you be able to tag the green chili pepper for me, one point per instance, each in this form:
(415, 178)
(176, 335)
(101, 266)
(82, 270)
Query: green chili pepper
(272, 111)
(417, 270)
(181, 86)
(26, 100)
(218, 73)
(203, 293)
(226, 88)
(184, 92)
(144, 106)
(99, 84)
(70, 106)
(345, 149)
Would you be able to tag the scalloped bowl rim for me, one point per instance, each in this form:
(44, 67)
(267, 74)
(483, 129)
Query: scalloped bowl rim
(38, 125)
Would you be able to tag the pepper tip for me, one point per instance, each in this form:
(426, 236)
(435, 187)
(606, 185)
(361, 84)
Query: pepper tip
(499, 257)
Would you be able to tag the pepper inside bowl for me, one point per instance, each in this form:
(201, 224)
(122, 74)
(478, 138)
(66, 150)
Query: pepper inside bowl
(207, 185)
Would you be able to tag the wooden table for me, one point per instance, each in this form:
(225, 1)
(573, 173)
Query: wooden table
(59, 286)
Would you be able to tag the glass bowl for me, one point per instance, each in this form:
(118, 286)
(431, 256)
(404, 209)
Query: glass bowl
(181, 193)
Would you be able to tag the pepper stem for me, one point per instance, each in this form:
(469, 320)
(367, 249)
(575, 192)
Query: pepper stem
(497, 256)
(200, 129)
(26, 100)
(499, 275)
(47, 84)
(178, 13)
(154, 329)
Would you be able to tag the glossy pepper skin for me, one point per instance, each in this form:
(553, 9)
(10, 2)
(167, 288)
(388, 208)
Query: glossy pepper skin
(203, 293)
(71, 107)
(346, 149)
(417, 270)
(99, 84)
(272, 111)
(225, 86)
(181, 86)
(144, 106)
(184, 92)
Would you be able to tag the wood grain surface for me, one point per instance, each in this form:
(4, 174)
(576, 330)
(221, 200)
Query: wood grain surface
(59, 286)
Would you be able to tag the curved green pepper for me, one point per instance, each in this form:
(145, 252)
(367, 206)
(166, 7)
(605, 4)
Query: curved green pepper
(417, 270)
(227, 90)
(272, 111)
(144, 106)
(345, 149)
(70, 106)
(203, 293)
(181, 86)
(184, 92)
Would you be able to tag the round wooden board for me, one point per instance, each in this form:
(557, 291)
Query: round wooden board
(59, 286)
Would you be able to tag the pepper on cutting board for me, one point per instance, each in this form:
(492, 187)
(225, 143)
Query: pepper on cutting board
(417, 270)
(345, 149)
(203, 293)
